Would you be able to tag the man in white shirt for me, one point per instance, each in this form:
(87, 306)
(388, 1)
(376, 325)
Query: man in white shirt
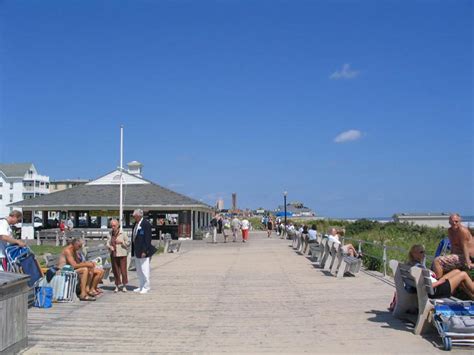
(235, 228)
(70, 224)
(6, 236)
(312, 234)
(245, 225)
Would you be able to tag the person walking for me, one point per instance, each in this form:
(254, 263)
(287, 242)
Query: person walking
(142, 250)
(214, 229)
(6, 236)
(225, 228)
(269, 227)
(118, 244)
(235, 224)
(245, 225)
(219, 225)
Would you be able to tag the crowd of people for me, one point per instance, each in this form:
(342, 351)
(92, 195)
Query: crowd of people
(224, 225)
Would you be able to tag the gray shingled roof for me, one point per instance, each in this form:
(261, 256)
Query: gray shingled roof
(145, 195)
(15, 170)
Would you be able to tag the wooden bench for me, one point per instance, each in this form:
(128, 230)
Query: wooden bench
(424, 288)
(330, 254)
(173, 246)
(291, 234)
(170, 245)
(101, 233)
(345, 264)
(302, 242)
(407, 302)
(315, 248)
(419, 279)
(323, 251)
(100, 251)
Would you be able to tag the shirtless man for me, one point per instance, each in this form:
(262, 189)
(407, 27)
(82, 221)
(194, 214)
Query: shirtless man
(462, 249)
(68, 257)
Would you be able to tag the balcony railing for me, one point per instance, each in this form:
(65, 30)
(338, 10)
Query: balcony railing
(36, 177)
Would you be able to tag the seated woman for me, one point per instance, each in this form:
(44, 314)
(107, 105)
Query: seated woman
(448, 283)
(347, 249)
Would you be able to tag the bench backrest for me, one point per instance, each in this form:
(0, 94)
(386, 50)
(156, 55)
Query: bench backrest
(51, 260)
(97, 251)
(48, 233)
(423, 282)
(406, 275)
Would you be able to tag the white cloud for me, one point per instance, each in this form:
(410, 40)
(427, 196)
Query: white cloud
(345, 73)
(347, 136)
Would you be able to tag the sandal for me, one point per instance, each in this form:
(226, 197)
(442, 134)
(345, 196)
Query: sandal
(92, 294)
(87, 299)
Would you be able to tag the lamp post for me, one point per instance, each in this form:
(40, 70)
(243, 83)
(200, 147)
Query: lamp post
(284, 203)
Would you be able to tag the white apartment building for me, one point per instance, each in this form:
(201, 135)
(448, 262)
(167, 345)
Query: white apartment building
(20, 182)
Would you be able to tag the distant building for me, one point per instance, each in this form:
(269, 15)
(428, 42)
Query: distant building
(424, 219)
(59, 185)
(260, 211)
(91, 205)
(297, 209)
(234, 201)
(20, 182)
(220, 204)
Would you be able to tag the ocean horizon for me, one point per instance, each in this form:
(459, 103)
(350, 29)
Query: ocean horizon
(469, 219)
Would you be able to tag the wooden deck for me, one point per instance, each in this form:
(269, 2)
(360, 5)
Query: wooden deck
(237, 298)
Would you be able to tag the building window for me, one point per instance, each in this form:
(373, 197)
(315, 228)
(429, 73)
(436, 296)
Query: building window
(47, 185)
(11, 197)
(37, 184)
(1, 197)
(11, 186)
(55, 186)
(1, 184)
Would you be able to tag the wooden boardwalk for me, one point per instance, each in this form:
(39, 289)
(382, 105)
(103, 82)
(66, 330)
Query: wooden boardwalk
(258, 297)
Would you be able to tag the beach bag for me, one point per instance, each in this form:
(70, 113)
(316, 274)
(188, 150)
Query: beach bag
(43, 297)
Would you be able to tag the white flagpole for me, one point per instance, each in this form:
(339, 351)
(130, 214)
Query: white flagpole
(121, 184)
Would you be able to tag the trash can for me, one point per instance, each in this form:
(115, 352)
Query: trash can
(13, 311)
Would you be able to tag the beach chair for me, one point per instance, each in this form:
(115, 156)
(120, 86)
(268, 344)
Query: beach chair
(22, 260)
(454, 322)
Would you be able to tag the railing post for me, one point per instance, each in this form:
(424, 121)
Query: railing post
(57, 238)
(38, 240)
(359, 248)
(384, 260)
(63, 239)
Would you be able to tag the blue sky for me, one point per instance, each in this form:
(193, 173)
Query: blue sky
(356, 108)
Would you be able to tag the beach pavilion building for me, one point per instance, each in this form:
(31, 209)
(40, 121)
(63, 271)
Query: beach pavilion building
(92, 205)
